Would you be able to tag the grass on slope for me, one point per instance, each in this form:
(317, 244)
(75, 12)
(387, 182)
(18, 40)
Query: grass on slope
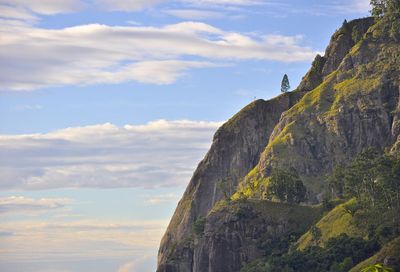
(333, 224)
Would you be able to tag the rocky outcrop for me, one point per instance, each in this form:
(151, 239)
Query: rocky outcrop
(340, 45)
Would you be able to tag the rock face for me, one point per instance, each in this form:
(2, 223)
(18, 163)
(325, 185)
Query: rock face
(235, 151)
(349, 100)
(233, 233)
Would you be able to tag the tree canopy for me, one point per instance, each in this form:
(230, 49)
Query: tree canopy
(286, 186)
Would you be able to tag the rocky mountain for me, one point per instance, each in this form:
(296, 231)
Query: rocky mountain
(348, 101)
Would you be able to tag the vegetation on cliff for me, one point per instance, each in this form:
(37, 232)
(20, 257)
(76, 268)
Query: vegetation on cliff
(320, 191)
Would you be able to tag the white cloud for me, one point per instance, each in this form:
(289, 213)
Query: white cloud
(158, 154)
(25, 205)
(341, 7)
(138, 5)
(129, 5)
(79, 240)
(354, 6)
(162, 199)
(194, 14)
(44, 7)
(89, 54)
(226, 2)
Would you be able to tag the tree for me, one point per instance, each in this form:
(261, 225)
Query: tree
(378, 7)
(285, 86)
(382, 7)
(286, 186)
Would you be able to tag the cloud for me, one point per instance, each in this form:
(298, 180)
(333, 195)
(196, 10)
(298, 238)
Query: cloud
(158, 154)
(79, 240)
(20, 204)
(354, 6)
(90, 54)
(162, 199)
(44, 7)
(341, 7)
(138, 265)
(226, 2)
(138, 5)
(194, 14)
(129, 5)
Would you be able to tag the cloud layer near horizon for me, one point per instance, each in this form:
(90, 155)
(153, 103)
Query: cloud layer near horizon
(158, 154)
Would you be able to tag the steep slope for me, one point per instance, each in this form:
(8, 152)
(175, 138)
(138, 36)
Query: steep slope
(235, 150)
(347, 101)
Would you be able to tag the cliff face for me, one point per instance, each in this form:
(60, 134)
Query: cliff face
(234, 233)
(236, 149)
(346, 102)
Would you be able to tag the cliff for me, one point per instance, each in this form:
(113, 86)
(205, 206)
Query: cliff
(348, 100)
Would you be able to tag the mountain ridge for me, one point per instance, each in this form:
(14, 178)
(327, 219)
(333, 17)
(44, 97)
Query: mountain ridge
(322, 123)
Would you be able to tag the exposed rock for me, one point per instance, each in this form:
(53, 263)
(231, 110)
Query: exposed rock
(233, 233)
(348, 101)
(340, 45)
(235, 151)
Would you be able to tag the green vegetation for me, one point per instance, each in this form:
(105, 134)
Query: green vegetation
(385, 7)
(363, 203)
(286, 186)
(377, 268)
(374, 180)
(333, 224)
(333, 257)
(351, 233)
(282, 185)
(391, 250)
(198, 226)
(285, 85)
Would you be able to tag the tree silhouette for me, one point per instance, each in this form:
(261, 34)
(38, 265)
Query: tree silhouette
(285, 86)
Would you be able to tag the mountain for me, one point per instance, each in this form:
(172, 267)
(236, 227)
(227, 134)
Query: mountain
(347, 102)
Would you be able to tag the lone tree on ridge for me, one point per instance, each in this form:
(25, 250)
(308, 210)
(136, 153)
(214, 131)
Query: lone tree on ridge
(285, 86)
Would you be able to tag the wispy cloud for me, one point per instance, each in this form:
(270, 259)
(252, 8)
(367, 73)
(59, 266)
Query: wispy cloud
(194, 14)
(162, 199)
(25, 205)
(129, 5)
(338, 7)
(33, 57)
(137, 5)
(78, 240)
(158, 154)
(45, 7)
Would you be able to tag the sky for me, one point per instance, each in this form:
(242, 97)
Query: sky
(107, 107)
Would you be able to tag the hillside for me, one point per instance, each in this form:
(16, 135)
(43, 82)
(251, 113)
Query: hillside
(347, 102)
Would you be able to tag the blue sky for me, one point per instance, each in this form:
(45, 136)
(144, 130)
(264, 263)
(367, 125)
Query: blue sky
(106, 108)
